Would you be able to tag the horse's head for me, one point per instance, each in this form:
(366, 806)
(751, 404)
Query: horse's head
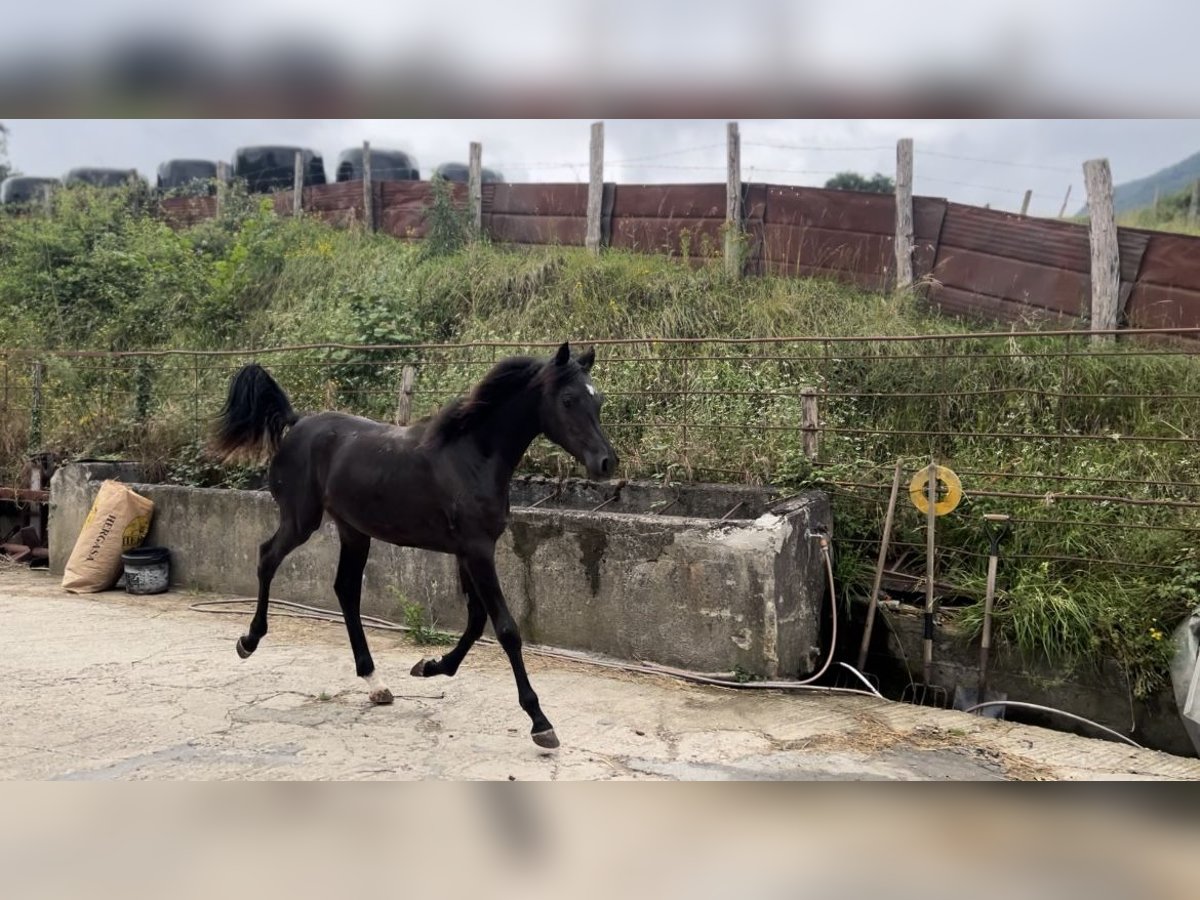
(570, 412)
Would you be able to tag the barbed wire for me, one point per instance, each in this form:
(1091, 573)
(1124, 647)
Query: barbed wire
(666, 153)
(805, 148)
(997, 162)
(968, 184)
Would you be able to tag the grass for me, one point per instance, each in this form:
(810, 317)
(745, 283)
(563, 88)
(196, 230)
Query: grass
(422, 630)
(99, 277)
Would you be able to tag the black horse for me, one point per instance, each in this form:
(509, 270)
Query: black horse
(441, 484)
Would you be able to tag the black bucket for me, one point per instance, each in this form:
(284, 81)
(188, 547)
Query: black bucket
(147, 570)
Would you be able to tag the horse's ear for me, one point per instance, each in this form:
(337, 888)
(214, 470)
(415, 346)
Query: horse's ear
(586, 359)
(563, 354)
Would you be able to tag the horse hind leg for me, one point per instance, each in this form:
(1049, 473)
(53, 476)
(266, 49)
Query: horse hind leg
(292, 532)
(352, 562)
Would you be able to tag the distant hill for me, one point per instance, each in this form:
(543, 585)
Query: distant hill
(1134, 195)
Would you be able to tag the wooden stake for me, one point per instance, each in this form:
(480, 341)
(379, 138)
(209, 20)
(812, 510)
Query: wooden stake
(404, 401)
(368, 211)
(930, 550)
(595, 188)
(884, 542)
(809, 428)
(1106, 255)
(222, 186)
(733, 201)
(1062, 212)
(475, 186)
(904, 214)
(298, 184)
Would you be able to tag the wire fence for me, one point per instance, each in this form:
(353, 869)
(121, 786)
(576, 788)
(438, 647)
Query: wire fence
(1091, 447)
(790, 163)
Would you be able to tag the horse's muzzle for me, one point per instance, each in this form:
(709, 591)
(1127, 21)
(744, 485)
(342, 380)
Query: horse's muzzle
(602, 465)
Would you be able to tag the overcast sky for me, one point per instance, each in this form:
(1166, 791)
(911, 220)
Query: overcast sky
(1043, 155)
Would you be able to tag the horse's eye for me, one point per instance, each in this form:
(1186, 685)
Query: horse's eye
(568, 400)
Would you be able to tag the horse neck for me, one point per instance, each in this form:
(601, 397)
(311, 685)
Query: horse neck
(506, 434)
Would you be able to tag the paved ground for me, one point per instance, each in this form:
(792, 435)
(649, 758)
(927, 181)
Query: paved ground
(119, 687)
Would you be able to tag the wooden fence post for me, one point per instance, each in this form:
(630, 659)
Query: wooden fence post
(298, 184)
(222, 186)
(733, 201)
(1106, 255)
(368, 211)
(904, 213)
(475, 187)
(48, 199)
(809, 423)
(1025, 203)
(1194, 206)
(595, 195)
(35, 408)
(404, 401)
(1062, 210)
(1154, 209)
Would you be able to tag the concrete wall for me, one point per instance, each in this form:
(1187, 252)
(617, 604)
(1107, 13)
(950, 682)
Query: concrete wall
(1098, 693)
(685, 591)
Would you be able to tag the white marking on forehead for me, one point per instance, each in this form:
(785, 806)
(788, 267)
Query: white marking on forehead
(591, 390)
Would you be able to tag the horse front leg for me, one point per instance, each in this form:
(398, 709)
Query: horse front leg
(481, 569)
(476, 619)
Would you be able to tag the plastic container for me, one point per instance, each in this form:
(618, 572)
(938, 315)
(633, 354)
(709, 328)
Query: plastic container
(147, 570)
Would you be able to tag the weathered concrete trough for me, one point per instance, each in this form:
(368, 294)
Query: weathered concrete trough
(704, 577)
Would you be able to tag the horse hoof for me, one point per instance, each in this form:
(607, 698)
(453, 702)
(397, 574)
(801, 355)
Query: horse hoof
(547, 739)
(420, 669)
(381, 697)
(242, 650)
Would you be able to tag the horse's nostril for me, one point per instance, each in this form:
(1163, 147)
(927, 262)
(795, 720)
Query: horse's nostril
(605, 466)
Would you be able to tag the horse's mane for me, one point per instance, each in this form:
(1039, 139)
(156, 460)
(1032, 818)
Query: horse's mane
(506, 379)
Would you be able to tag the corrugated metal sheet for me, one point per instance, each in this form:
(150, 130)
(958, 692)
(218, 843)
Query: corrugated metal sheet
(403, 205)
(182, 212)
(833, 210)
(1171, 260)
(536, 213)
(929, 214)
(675, 219)
(787, 248)
(668, 201)
(675, 237)
(539, 199)
(1158, 306)
(969, 305)
(754, 209)
(1038, 263)
(647, 218)
(1063, 245)
(1015, 280)
(517, 229)
(1167, 291)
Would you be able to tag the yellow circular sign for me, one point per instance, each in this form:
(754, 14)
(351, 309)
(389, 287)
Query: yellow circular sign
(918, 487)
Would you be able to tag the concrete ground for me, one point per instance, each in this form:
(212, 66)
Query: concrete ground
(112, 686)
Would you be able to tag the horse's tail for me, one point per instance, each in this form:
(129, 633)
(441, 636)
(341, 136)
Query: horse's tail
(254, 416)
